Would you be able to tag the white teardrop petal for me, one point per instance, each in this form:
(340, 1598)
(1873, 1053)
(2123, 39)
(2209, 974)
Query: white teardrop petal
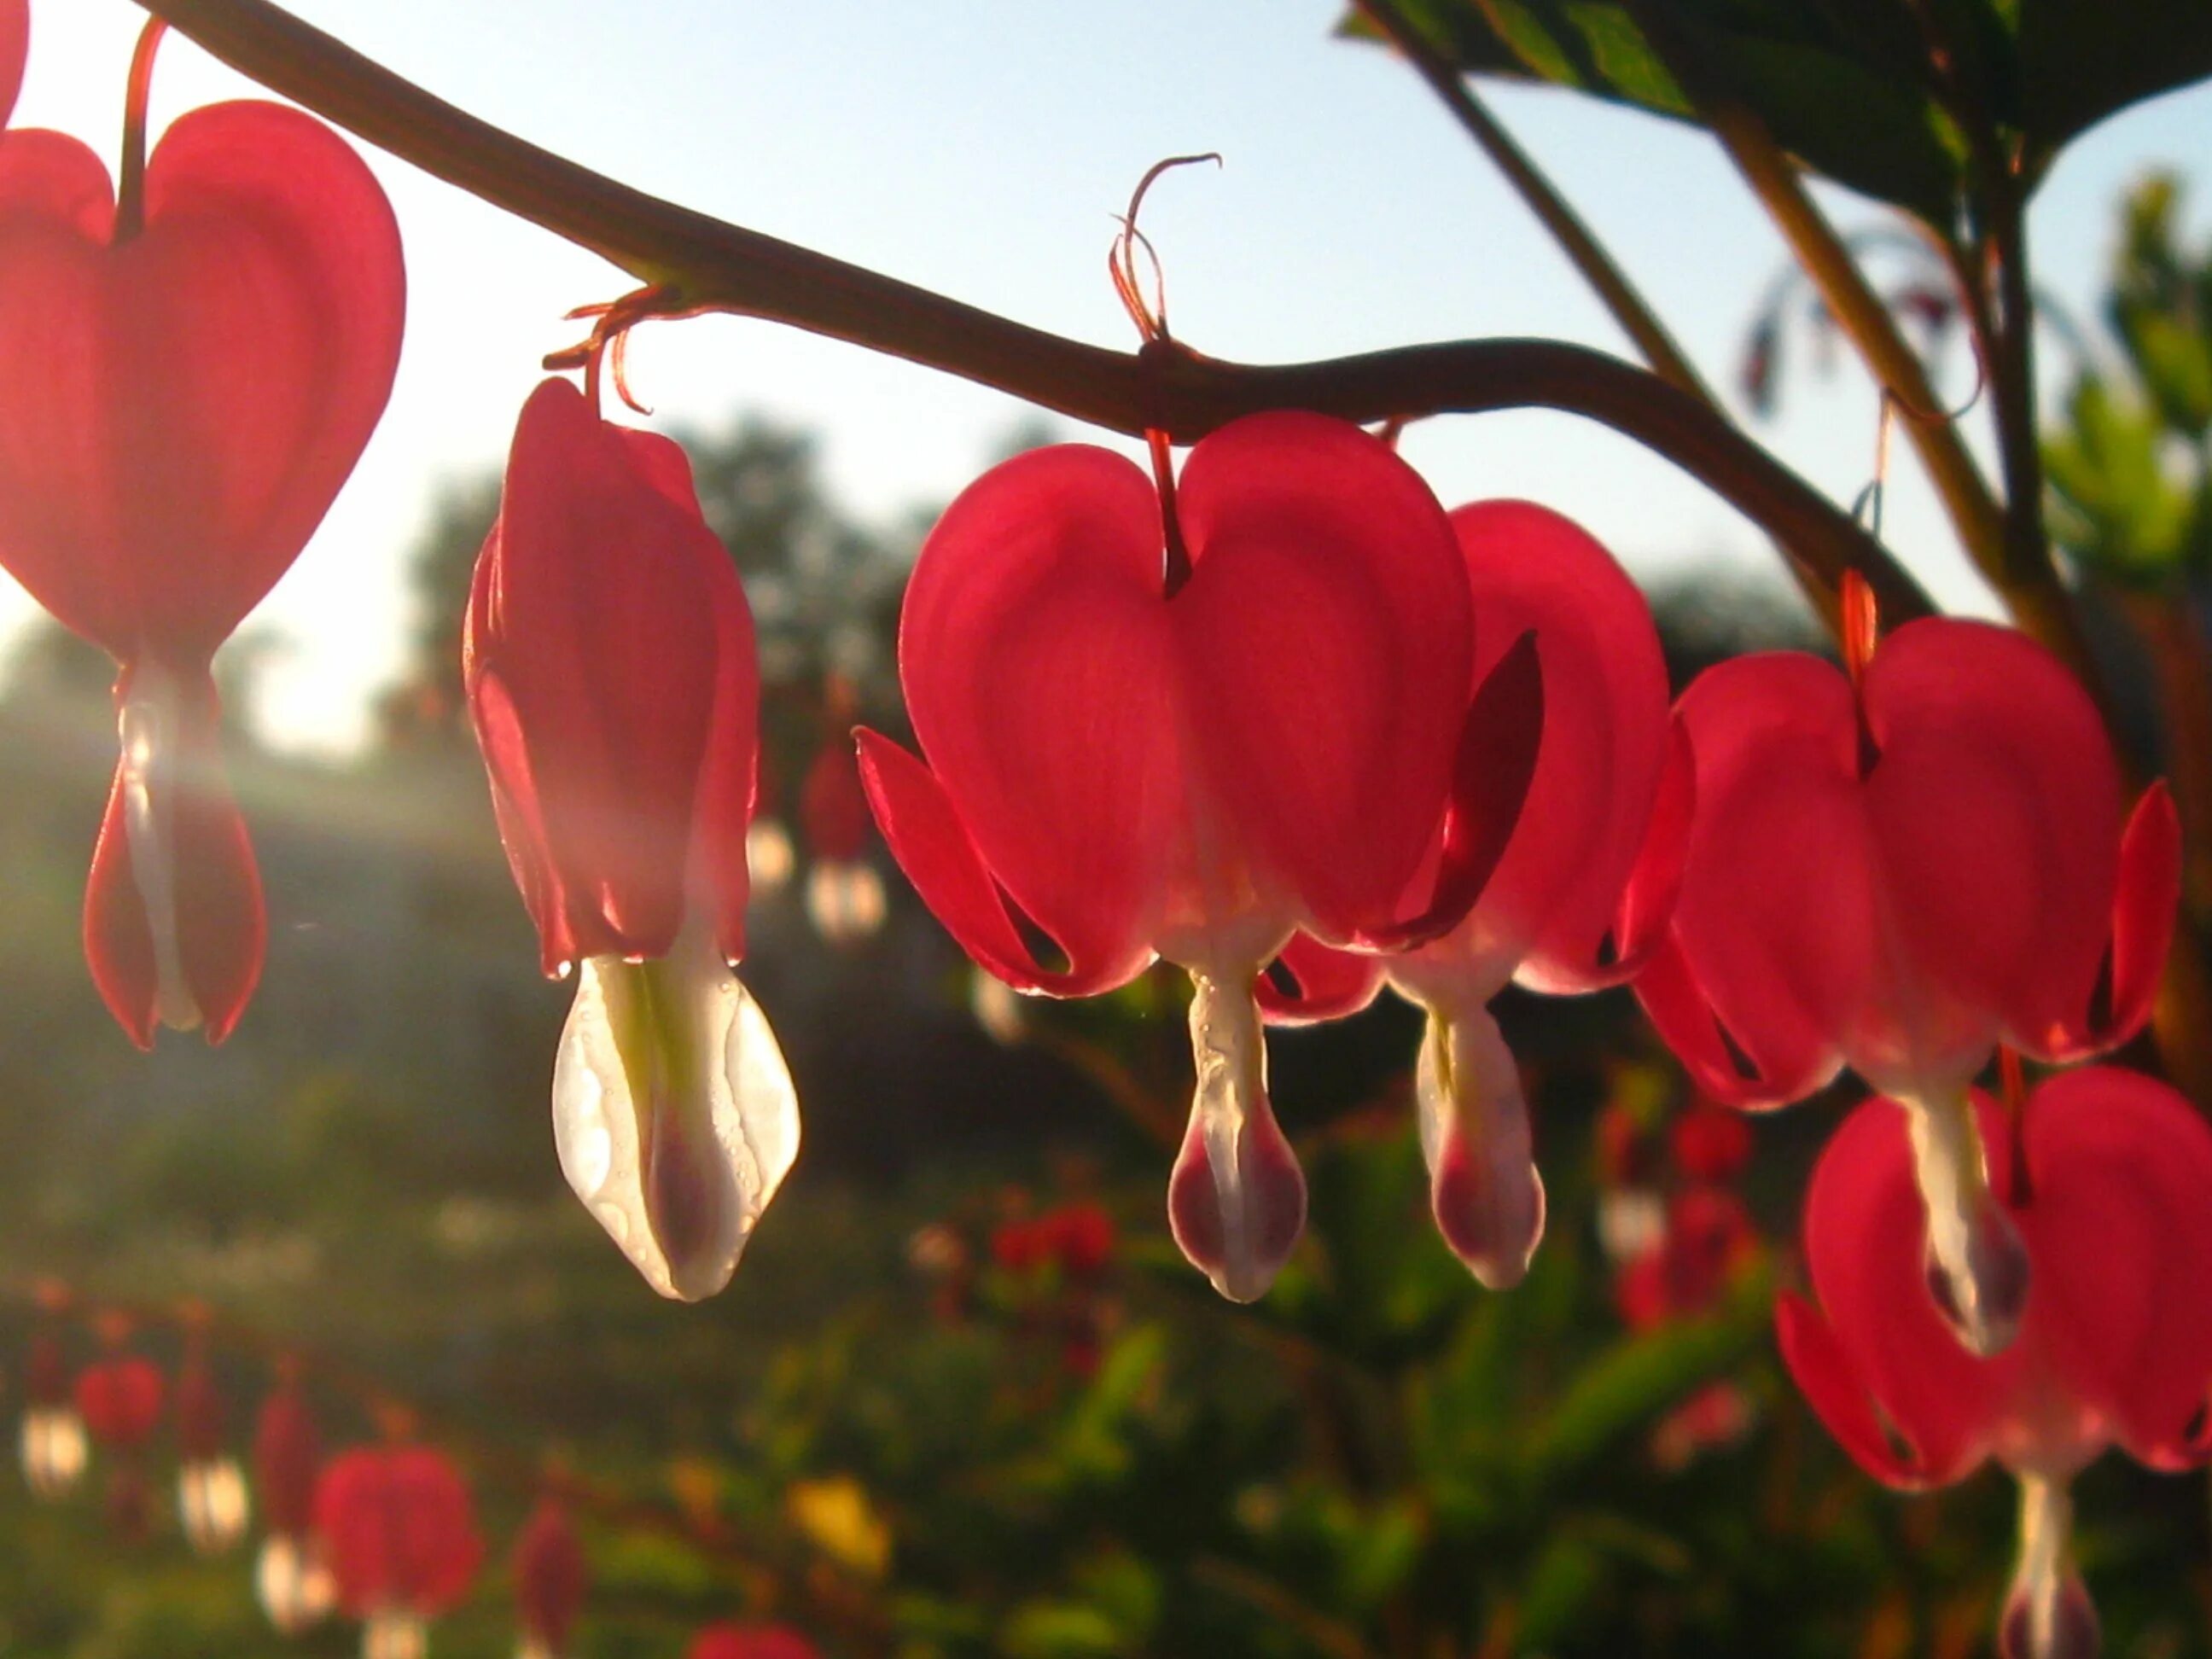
(1977, 1265)
(673, 1114)
(1236, 1200)
(1483, 1184)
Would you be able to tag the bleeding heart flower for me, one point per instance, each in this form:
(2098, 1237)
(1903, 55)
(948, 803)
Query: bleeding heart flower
(2103, 1173)
(120, 1399)
(1683, 1274)
(1898, 870)
(844, 894)
(291, 1578)
(400, 1534)
(611, 670)
(1581, 892)
(549, 1573)
(1191, 752)
(735, 1641)
(211, 1497)
(189, 377)
(53, 1444)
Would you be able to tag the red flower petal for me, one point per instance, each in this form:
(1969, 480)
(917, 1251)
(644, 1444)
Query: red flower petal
(120, 1400)
(1995, 807)
(14, 45)
(610, 663)
(2149, 895)
(1496, 759)
(1772, 932)
(550, 1576)
(1042, 683)
(2121, 1236)
(1555, 892)
(399, 1528)
(215, 924)
(285, 1451)
(1328, 983)
(1322, 643)
(182, 409)
(1825, 1375)
(1866, 1233)
(933, 846)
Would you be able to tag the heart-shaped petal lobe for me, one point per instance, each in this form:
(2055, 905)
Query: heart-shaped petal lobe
(182, 407)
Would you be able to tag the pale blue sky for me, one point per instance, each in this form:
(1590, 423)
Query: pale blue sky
(980, 147)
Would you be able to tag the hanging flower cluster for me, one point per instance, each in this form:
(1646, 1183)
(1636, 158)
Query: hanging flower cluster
(1581, 889)
(1185, 725)
(2102, 1175)
(1280, 721)
(1897, 868)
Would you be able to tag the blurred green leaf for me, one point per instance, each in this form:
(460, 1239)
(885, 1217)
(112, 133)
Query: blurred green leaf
(1623, 1390)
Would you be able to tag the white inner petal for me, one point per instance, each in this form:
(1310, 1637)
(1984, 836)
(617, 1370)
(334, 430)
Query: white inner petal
(673, 1114)
(150, 726)
(1976, 1252)
(1484, 1188)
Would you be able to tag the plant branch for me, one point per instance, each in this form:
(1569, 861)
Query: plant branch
(1611, 284)
(1973, 512)
(2006, 324)
(1584, 251)
(706, 264)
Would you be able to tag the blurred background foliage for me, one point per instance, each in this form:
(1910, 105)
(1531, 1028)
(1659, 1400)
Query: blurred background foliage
(963, 1397)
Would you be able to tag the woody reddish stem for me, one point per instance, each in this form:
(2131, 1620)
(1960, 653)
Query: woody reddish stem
(707, 264)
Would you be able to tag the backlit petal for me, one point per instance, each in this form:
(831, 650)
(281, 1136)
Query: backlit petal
(1324, 644)
(673, 1114)
(1866, 1237)
(1556, 890)
(1040, 677)
(175, 926)
(932, 844)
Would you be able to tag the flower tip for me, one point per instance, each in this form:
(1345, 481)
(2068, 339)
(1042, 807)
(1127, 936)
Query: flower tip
(1492, 1218)
(2054, 1622)
(1237, 1217)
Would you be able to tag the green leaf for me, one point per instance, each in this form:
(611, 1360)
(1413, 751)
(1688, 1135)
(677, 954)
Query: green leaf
(1848, 87)
(2082, 60)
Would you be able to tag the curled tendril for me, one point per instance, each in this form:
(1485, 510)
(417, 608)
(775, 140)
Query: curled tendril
(1150, 317)
(609, 340)
(1774, 307)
